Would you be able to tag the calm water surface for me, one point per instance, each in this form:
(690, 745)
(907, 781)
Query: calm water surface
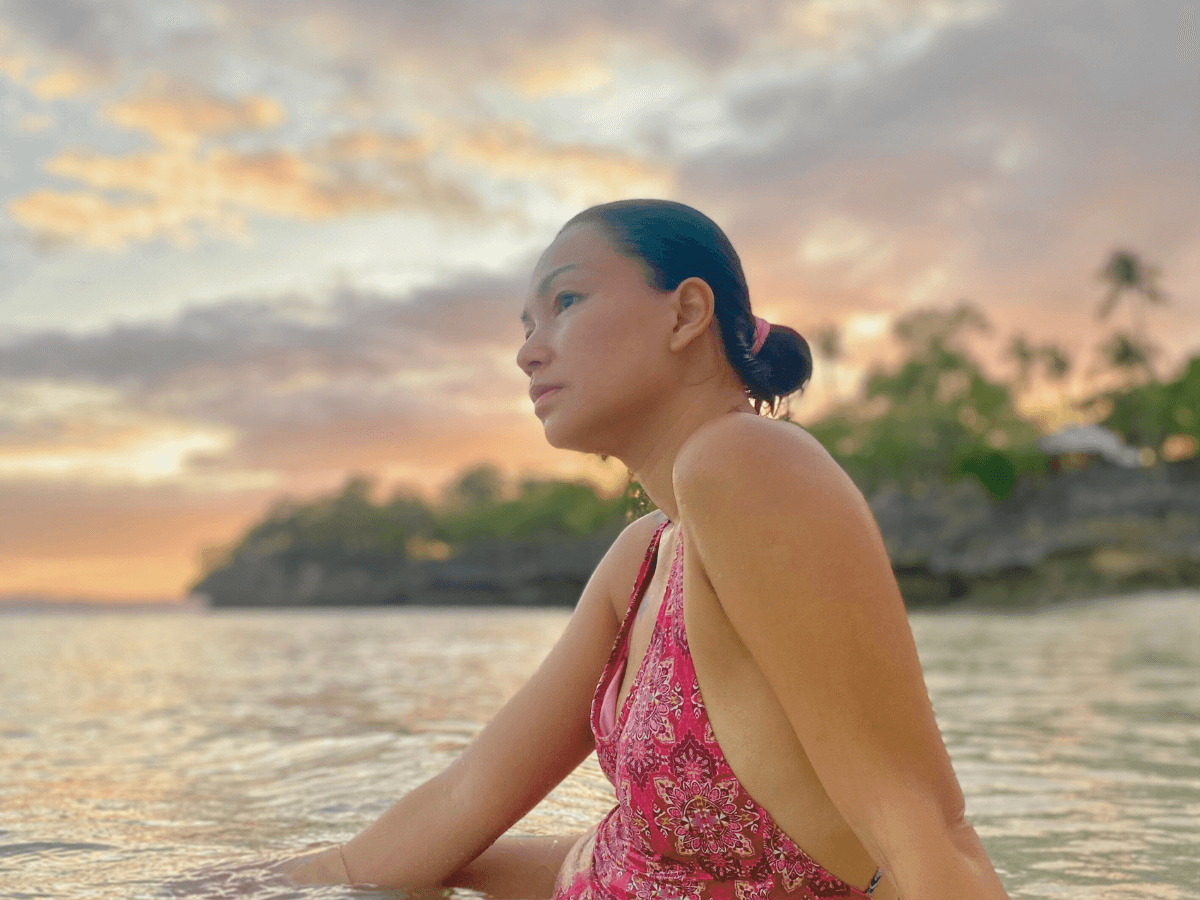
(157, 755)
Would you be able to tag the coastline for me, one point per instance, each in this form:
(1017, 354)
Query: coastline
(1100, 531)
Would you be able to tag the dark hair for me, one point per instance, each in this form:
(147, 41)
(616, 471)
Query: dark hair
(676, 242)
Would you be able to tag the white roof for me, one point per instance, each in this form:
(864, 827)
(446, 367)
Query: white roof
(1092, 439)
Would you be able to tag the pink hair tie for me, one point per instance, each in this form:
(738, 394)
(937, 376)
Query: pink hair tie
(761, 329)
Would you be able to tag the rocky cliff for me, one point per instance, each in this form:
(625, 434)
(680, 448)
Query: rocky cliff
(1101, 530)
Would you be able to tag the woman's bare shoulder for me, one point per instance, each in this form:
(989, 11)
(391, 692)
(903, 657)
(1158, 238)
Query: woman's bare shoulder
(618, 570)
(760, 450)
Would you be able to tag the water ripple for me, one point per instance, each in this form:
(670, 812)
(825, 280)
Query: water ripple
(158, 756)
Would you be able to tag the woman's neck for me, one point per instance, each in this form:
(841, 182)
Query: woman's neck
(653, 460)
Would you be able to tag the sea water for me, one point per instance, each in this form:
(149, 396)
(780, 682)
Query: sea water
(159, 754)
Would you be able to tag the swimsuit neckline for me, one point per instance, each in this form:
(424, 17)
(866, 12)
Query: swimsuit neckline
(621, 645)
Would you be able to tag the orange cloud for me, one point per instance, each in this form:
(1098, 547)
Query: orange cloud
(184, 184)
(171, 190)
(374, 145)
(13, 66)
(62, 84)
(844, 25)
(45, 78)
(35, 122)
(179, 115)
(572, 66)
(578, 171)
(62, 431)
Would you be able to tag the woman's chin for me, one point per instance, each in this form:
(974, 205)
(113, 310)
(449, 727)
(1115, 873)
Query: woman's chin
(561, 436)
(556, 436)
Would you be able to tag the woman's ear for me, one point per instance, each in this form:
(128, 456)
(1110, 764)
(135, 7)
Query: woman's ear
(694, 310)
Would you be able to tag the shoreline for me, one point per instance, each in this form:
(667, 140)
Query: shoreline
(52, 607)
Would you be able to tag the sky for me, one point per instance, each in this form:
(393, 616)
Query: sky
(248, 249)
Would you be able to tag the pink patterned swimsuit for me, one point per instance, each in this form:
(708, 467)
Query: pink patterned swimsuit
(683, 826)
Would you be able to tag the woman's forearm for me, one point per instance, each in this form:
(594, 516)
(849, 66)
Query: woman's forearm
(421, 840)
(524, 867)
(950, 866)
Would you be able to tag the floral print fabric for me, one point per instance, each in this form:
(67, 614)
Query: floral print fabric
(683, 828)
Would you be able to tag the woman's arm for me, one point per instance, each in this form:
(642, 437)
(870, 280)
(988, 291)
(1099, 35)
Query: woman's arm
(796, 559)
(537, 738)
(516, 867)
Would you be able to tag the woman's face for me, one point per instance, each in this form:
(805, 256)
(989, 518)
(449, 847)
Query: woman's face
(596, 336)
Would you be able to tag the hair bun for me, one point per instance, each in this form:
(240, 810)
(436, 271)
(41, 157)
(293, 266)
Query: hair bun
(783, 365)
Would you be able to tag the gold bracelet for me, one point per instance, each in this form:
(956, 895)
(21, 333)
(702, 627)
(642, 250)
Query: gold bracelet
(345, 868)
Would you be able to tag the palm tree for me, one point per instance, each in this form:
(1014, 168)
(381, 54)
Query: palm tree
(937, 330)
(1055, 361)
(1127, 273)
(1127, 353)
(1024, 355)
(829, 345)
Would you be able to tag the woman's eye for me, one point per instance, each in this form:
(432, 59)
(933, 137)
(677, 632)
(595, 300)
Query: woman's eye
(566, 298)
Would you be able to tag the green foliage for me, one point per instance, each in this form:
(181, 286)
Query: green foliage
(637, 501)
(1145, 415)
(542, 509)
(935, 416)
(994, 470)
(1054, 361)
(347, 527)
(477, 486)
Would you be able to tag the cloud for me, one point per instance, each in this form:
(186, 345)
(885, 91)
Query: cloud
(492, 36)
(13, 66)
(197, 184)
(578, 171)
(350, 333)
(1000, 158)
(243, 393)
(101, 40)
(181, 114)
(49, 67)
(538, 50)
(61, 84)
(179, 187)
(63, 431)
(34, 123)
(188, 186)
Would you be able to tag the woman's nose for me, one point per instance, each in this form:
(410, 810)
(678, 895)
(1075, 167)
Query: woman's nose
(532, 354)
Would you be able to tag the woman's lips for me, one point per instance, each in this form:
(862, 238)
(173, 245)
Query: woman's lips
(543, 393)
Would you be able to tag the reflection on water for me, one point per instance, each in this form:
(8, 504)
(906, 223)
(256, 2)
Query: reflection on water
(163, 755)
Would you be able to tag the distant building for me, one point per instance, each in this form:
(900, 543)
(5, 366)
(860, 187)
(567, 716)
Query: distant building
(1074, 448)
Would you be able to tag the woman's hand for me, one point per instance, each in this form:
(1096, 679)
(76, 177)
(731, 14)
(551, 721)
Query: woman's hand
(322, 867)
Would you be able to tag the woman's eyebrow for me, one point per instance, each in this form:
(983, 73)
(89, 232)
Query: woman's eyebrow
(545, 282)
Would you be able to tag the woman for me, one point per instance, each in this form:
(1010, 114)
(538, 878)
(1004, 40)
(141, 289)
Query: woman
(810, 764)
